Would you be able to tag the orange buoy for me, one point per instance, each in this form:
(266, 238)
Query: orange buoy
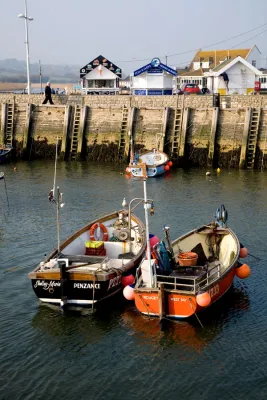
(203, 299)
(170, 163)
(243, 252)
(102, 228)
(128, 293)
(243, 271)
(166, 167)
(128, 169)
(127, 280)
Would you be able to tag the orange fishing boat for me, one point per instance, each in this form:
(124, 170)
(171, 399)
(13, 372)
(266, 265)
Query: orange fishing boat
(191, 273)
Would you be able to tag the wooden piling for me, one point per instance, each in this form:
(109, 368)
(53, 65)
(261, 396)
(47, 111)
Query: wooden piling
(166, 113)
(27, 130)
(3, 123)
(82, 130)
(212, 139)
(66, 130)
(186, 115)
(130, 128)
(242, 161)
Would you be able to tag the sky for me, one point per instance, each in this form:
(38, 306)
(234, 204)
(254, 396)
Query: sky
(130, 33)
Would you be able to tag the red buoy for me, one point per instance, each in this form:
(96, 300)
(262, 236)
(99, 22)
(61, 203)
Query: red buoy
(127, 280)
(166, 167)
(170, 163)
(243, 252)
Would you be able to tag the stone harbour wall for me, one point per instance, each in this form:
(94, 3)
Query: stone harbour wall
(100, 128)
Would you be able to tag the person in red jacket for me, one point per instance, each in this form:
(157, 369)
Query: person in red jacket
(48, 94)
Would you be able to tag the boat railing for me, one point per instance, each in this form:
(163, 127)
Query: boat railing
(190, 284)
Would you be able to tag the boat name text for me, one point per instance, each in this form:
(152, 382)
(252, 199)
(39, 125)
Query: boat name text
(86, 285)
(47, 285)
(214, 290)
(114, 282)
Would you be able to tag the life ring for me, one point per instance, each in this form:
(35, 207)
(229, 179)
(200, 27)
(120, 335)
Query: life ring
(103, 229)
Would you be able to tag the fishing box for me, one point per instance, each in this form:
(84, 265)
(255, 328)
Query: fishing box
(95, 248)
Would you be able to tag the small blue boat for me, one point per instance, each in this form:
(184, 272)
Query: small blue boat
(157, 163)
(4, 153)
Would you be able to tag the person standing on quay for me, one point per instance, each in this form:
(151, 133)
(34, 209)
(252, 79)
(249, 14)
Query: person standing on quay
(48, 94)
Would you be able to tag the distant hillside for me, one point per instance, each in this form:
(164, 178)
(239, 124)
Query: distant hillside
(12, 70)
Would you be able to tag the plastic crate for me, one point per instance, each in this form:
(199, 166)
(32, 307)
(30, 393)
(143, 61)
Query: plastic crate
(94, 244)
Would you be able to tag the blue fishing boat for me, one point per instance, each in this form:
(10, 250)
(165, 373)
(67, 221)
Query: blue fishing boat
(4, 153)
(157, 162)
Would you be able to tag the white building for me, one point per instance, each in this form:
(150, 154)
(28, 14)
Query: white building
(154, 79)
(205, 61)
(100, 76)
(241, 77)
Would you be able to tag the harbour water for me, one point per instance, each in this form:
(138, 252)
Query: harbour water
(118, 353)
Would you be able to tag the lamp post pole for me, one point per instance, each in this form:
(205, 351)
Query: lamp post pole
(26, 18)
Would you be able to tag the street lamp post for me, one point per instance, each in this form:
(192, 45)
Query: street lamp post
(26, 18)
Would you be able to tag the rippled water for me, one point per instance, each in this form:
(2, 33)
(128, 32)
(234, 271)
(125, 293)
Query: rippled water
(118, 353)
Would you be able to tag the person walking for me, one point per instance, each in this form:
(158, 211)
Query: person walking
(48, 94)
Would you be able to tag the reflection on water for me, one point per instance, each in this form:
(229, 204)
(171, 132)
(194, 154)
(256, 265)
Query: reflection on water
(115, 352)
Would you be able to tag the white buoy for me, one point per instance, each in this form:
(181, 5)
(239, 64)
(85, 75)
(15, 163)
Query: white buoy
(207, 173)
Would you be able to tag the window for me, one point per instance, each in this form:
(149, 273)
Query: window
(254, 63)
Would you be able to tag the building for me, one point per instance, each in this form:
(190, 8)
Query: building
(206, 61)
(100, 76)
(154, 79)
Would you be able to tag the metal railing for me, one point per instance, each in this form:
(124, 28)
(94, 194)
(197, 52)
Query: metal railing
(189, 284)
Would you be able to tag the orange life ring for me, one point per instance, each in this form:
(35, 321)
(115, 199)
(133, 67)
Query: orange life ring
(103, 229)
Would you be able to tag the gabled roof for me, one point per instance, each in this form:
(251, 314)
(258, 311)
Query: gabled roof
(100, 60)
(215, 56)
(229, 63)
(154, 68)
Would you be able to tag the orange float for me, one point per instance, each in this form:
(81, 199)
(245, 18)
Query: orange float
(166, 167)
(243, 271)
(203, 299)
(103, 229)
(170, 163)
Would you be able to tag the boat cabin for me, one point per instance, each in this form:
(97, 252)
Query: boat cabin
(100, 76)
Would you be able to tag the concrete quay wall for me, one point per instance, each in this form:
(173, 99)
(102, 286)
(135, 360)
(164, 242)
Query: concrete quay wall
(99, 128)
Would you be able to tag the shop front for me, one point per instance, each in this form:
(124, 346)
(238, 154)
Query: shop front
(154, 79)
(100, 76)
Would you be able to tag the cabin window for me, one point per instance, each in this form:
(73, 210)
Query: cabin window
(254, 63)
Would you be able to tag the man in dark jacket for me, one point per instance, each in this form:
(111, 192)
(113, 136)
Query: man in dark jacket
(48, 94)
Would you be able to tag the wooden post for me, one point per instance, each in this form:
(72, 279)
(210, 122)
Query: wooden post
(161, 297)
(3, 123)
(164, 127)
(129, 129)
(82, 129)
(66, 129)
(214, 123)
(27, 131)
(186, 115)
(242, 161)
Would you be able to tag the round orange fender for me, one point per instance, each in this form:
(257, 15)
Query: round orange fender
(103, 229)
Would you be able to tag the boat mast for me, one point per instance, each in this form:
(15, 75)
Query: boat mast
(57, 196)
(146, 203)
